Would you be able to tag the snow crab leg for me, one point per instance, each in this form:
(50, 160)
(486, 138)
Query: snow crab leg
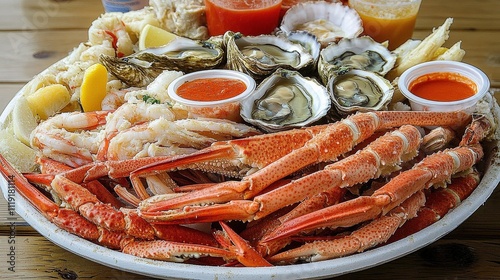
(380, 157)
(400, 222)
(435, 169)
(122, 229)
(330, 142)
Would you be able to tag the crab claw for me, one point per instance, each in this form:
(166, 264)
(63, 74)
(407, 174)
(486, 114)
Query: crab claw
(245, 253)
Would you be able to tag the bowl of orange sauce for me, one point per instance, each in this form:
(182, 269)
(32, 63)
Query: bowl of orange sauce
(212, 93)
(443, 86)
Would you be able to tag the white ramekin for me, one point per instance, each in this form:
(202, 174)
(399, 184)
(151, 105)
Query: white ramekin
(420, 104)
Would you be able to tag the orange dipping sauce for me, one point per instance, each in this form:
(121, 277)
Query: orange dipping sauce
(211, 89)
(443, 86)
(251, 17)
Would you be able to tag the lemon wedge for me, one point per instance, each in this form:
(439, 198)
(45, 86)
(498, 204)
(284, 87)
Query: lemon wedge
(93, 89)
(48, 100)
(23, 120)
(152, 37)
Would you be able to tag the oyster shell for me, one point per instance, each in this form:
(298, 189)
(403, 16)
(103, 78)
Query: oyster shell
(361, 53)
(181, 54)
(259, 56)
(360, 90)
(329, 22)
(308, 41)
(286, 100)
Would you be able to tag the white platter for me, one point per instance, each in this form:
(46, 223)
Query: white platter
(322, 269)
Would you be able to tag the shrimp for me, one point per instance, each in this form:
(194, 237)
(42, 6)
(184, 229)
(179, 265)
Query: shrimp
(129, 115)
(164, 137)
(115, 98)
(71, 138)
(110, 27)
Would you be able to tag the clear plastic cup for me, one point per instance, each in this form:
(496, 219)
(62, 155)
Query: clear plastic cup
(392, 20)
(123, 6)
(252, 17)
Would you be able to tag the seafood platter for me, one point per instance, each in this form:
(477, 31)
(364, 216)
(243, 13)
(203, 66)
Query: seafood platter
(319, 166)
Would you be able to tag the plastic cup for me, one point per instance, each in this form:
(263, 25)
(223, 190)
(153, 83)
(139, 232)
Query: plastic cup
(123, 6)
(251, 17)
(221, 109)
(388, 20)
(479, 78)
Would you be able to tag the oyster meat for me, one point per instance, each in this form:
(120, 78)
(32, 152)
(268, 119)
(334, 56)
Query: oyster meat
(259, 56)
(360, 90)
(361, 53)
(284, 100)
(284, 104)
(181, 54)
(329, 22)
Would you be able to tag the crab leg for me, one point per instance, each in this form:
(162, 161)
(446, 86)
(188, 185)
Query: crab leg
(434, 169)
(129, 232)
(380, 157)
(399, 223)
(376, 232)
(332, 141)
(438, 203)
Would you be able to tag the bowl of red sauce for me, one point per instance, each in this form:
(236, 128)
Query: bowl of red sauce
(212, 93)
(443, 86)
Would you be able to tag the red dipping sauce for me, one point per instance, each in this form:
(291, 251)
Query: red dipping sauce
(211, 89)
(443, 86)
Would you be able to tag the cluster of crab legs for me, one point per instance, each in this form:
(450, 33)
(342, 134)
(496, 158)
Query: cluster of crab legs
(277, 210)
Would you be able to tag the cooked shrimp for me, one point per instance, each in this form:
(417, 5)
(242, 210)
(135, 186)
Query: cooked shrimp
(164, 137)
(71, 138)
(109, 27)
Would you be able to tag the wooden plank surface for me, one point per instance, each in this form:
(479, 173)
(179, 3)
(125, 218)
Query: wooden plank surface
(37, 15)
(35, 34)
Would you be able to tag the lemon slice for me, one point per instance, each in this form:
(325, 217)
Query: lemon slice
(152, 37)
(48, 100)
(93, 89)
(23, 120)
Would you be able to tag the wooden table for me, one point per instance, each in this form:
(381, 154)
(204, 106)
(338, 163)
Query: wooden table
(35, 34)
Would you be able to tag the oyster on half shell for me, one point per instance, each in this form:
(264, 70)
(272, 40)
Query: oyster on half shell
(308, 41)
(329, 22)
(360, 91)
(361, 53)
(285, 100)
(181, 54)
(259, 56)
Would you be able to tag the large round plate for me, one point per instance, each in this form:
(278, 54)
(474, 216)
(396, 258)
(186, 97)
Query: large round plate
(320, 269)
